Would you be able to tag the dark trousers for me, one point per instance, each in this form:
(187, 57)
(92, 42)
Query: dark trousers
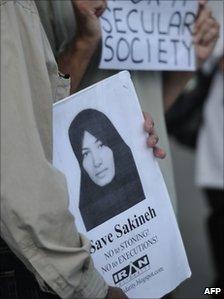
(16, 282)
(215, 227)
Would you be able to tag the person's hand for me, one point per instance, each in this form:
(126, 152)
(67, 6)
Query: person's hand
(76, 57)
(87, 15)
(206, 33)
(153, 138)
(115, 293)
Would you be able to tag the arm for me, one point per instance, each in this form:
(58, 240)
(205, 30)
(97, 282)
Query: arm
(205, 36)
(76, 58)
(35, 221)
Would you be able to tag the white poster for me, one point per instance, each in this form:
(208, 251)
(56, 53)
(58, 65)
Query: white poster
(148, 35)
(117, 192)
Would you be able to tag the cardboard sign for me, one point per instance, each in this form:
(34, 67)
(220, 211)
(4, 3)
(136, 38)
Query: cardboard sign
(117, 193)
(148, 35)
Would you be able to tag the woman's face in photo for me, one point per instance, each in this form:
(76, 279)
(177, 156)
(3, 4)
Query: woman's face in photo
(98, 160)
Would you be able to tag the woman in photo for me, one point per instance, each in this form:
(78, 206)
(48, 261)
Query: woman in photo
(110, 183)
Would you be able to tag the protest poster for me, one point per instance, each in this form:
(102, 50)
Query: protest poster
(117, 192)
(148, 35)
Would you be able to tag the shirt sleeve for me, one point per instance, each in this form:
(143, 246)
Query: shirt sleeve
(35, 221)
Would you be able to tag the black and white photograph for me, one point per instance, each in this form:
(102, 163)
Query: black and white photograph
(110, 183)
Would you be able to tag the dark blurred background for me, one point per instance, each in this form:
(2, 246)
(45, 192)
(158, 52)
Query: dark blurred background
(193, 208)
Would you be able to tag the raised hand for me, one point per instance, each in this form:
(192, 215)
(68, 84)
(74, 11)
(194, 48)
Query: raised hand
(87, 15)
(206, 33)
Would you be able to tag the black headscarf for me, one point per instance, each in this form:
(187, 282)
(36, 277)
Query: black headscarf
(98, 204)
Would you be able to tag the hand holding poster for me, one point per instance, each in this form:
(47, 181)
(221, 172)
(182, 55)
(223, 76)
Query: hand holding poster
(117, 193)
(148, 35)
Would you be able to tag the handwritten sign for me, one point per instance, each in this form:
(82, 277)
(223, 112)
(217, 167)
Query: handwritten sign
(122, 207)
(148, 35)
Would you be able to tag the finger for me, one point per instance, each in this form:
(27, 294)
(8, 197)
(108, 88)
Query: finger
(201, 6)
(204, 14)
(205, 26)
(204, 29)
(149, 123)
(102, 4)
(99, 7)
(210, 36)
(100, 11)
(202, 22)
(152, 140)
(210, 33)
(159, 152)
